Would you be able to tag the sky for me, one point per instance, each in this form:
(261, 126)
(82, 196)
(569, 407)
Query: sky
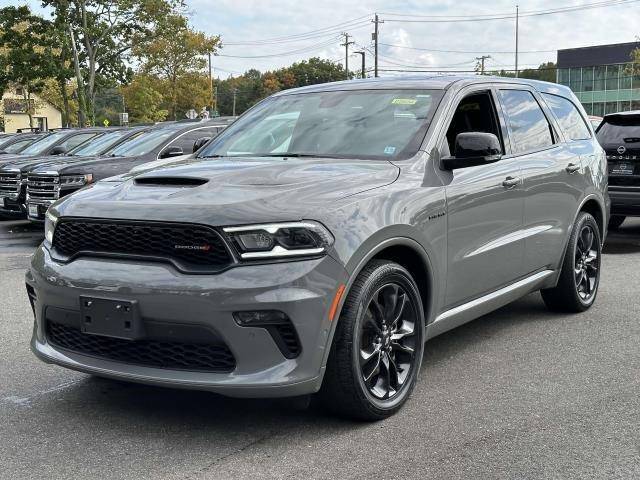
(268, 34)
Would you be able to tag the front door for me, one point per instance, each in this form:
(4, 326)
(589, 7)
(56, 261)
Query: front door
(484, 209)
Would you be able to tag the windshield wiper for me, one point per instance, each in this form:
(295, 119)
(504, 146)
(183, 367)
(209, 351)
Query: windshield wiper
(215, 155)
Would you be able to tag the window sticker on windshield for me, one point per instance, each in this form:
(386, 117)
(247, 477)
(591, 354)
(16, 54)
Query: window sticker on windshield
(403, 101)
(389, 150)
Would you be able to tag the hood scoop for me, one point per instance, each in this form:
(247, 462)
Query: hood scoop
(171, 181)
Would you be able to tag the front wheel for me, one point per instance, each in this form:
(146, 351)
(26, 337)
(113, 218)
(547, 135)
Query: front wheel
(378, 344)
(580, 275)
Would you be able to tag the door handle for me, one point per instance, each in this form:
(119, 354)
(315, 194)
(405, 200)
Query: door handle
(511, 182)
(572, 168)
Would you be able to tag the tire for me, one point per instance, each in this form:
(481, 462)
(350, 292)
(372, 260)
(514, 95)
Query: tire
(616, 221)
(580, 275)
(365, 341)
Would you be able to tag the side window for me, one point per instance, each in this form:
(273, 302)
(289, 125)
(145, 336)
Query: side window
(187, 140)
(76, 140)
(569, 117)
(530, 129)
(474, 113)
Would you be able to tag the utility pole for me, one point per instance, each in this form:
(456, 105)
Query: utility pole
(210, 87)
(517, 21)
(481, 60)
(235, 93)
(374, 37)
(215, 103)
(363, 69)
(346, 52)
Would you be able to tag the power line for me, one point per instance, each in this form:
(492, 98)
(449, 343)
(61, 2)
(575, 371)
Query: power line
(306, 35)
(308, 48)
(462, 51)
(505, 16)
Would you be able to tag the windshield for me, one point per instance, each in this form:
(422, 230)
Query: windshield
(622, 130)
(143, 143)
(42, 145)
(365, 124)
(100, 144)
(17, 146)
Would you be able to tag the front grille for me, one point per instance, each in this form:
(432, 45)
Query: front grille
(193, 248)
(43, 189)
(150, 353)
(9, 184)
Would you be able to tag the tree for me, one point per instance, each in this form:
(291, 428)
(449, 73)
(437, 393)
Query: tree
(175, 54)
(62, 98)
(27, 51)
(545, 72)
(101, 33)
(144, 99)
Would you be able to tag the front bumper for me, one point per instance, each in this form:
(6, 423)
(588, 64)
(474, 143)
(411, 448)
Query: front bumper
(625, 201)
(303, 290)
(12, 208)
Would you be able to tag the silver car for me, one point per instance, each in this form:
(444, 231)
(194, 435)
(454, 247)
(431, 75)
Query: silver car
(316, 244)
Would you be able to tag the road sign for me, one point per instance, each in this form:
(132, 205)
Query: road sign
(191, 114)
(124, 118)
(105, 122)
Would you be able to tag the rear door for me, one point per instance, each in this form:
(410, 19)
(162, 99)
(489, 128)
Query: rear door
(484, 207)
(552, 173)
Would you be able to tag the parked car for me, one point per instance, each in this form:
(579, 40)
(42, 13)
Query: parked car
(319, 257)
(10, 144)
(619, 135)
(13, 186)
(95, 149)
(53, 180)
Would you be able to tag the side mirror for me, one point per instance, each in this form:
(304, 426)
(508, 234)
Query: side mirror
(199, 143)
(473, 148)
(58, 150)
(171, 151)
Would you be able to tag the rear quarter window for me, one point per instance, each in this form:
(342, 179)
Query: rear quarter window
(571, 121)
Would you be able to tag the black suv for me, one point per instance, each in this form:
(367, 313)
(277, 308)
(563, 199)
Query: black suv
(50, 181)
(619, 135)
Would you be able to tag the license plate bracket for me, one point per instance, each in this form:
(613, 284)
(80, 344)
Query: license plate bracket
(110, 318)
(622, 168)
(34, 211)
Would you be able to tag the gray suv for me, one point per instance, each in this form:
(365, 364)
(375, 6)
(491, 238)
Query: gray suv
(316, 244)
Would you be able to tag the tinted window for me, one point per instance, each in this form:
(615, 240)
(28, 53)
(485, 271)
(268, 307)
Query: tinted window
(76, 140)
(620, 130)
(362, 124)
(144, 143)
(187, 140)
(530, 129)
(17, 146)
(100, 144)
(568, 116)
(43, 144)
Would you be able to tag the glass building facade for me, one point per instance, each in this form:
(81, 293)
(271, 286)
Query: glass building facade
(601, 77)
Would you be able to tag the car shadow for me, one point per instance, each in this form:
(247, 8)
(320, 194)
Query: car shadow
(174, 406)
(625, 239)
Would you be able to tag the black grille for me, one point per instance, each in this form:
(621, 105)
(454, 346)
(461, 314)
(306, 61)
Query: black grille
(289, 345)
(151, 353)
(190, 247)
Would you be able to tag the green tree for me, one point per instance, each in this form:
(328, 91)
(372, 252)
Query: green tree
(28, 52)
(175, 55)
(144, 99)
(545, 72)
(101, 34)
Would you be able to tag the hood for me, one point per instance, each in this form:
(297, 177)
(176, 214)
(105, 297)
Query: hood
(8, 160)
(162, 162)
(228, 191)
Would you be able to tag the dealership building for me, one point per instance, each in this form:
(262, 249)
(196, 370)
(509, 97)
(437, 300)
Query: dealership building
(600, 77)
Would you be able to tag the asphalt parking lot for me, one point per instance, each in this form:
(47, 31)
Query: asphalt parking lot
(520, 393)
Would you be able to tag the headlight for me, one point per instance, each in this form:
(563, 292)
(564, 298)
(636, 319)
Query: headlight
(50, 220)
(280, 240)
(75, 180)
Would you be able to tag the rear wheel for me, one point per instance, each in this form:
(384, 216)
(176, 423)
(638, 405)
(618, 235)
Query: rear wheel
(378, 345)
(580, 276)
(616, 221)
